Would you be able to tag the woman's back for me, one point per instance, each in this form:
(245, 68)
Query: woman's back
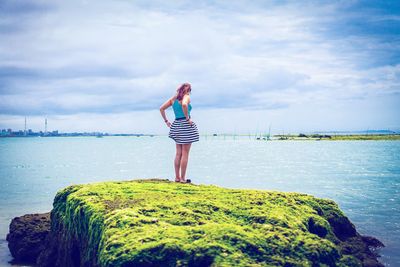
(178, 110)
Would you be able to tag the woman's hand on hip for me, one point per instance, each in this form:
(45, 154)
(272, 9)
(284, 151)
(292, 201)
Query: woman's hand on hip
(168, 124)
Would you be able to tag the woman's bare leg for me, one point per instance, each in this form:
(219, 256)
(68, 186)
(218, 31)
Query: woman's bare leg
(177, 162)
(184, 160)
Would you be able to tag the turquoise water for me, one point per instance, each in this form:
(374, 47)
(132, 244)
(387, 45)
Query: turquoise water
(363, 177)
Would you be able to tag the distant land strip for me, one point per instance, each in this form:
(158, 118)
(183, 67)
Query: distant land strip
(339, 137)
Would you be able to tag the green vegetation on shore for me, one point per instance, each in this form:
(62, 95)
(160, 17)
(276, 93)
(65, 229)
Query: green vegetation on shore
(339, 137)
(303, 137)
(367, 137)
(153, 222)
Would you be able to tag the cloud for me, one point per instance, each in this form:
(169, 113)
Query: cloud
(17, 16)
(114, 57)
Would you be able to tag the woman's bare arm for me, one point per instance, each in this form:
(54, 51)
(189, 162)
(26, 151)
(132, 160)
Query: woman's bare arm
(164, 106)
(185, 103)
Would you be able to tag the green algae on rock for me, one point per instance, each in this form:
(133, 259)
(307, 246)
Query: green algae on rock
(156, 222)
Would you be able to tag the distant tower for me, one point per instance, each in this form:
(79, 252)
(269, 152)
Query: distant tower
(269, 132)
(25, 127)
(45, 126)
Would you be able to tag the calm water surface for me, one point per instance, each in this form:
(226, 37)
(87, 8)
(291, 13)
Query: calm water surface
(363, 177)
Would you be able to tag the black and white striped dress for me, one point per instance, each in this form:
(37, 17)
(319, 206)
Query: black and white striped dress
(182, 132)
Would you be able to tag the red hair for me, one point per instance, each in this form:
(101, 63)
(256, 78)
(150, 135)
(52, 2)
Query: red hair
(183, 90)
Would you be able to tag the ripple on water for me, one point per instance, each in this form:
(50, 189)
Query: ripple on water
(362, 177)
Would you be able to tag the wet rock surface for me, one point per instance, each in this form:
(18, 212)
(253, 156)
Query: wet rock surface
(126, 224)
(26, 239)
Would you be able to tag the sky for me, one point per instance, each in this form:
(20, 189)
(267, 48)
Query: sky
(297, 66)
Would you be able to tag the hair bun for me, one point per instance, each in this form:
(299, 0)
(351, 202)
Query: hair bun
(182, 90)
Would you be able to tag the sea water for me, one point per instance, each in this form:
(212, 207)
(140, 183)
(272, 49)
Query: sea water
(363, 177)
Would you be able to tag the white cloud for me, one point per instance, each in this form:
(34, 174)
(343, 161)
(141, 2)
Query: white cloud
(114, 57)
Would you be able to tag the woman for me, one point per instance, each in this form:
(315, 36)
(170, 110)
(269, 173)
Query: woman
(183, 130)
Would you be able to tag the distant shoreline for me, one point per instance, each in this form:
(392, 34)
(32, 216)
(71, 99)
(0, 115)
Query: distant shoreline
(346, 137)
(278, 137)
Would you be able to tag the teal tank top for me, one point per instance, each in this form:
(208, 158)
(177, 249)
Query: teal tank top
(178, 110)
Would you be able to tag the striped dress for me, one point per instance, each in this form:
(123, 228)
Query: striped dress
(181, 131)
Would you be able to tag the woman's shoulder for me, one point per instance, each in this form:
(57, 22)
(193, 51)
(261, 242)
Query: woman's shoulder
(172, 99)
(186, 98)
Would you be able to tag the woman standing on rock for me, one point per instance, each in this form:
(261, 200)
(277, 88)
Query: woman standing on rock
(183, 130)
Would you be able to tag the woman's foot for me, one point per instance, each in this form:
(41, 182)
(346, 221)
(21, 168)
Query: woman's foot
(185, 181)
(177, 180)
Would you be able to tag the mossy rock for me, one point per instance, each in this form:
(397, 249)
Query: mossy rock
(161, 223)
